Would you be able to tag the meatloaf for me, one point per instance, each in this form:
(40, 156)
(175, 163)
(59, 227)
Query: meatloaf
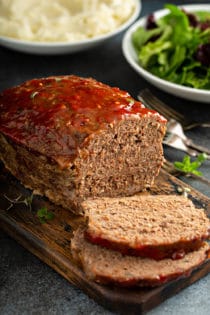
(148, 226)
(70, 138)
(111, 267)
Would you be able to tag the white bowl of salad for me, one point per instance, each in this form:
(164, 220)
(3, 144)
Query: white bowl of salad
(170, 48)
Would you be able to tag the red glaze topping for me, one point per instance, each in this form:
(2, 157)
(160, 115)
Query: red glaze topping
(54, 115)
(157, 252)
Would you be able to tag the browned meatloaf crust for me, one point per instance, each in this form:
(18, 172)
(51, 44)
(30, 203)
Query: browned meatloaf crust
(110, 267)
(70, 138)
(147, 226)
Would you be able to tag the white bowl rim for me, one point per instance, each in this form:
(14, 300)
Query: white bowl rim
(127, 41)
(95, 39)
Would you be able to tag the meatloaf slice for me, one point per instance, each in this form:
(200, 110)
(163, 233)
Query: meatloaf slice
(147, 226)
(70, 138)
(110, 267)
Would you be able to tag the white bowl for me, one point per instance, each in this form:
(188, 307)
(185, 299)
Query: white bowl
(169, 87)
(52, 48)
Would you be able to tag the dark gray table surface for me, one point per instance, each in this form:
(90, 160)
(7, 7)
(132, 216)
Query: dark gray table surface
(28, 286)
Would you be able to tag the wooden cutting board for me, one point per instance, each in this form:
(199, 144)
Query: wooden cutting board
(51, 243)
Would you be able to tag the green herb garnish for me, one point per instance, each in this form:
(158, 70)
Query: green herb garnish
(44, 215)
(187, 166)
(176, 50)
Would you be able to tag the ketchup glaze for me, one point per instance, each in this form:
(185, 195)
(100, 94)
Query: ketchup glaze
(54, 115)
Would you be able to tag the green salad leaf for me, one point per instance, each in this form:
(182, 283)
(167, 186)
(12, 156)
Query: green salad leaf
(169, 49)
(203, 15)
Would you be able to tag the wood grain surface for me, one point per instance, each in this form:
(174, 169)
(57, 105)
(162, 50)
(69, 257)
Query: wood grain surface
(51, 243)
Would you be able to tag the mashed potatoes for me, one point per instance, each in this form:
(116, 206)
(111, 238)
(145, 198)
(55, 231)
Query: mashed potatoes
(62, 20)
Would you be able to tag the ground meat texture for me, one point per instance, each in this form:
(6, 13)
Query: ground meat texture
(70, 138)
(110, 267)
(163, 226)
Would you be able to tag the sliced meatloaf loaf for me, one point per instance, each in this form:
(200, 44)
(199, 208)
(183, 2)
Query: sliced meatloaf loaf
(147, 226)
(70, 138)
(107, 266)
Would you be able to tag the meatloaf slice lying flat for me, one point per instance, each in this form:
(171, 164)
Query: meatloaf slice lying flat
(70, 138)
(108, 266)
(147, 226)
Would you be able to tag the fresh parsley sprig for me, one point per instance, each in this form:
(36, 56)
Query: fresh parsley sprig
(44, 215)
(190, 169)
(187, 166)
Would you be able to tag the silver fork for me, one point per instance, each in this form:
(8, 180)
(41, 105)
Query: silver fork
(179, 140)
(153, 102)
(175, 128)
